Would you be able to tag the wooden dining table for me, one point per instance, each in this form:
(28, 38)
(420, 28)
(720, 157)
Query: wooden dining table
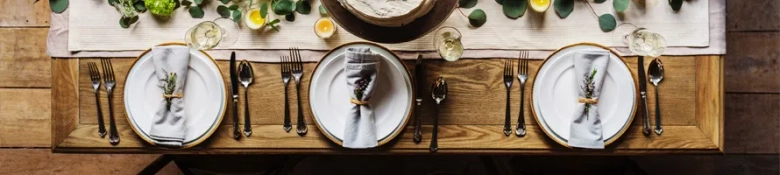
(471, 120)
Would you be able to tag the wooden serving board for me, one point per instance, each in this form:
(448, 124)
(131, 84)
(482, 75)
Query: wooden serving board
(471, 119)
(416, 29)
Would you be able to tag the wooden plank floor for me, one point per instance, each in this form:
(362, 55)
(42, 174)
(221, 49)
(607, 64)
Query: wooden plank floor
(752, 103)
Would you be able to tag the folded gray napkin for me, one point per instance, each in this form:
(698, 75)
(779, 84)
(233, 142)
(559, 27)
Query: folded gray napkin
(170, 67)
(361, 67)
(590, 67)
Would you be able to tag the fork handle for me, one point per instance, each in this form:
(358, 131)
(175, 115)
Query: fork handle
(507, 121)
(113, 135)
(301, 128)
(287, 122)
(101, 124)
(520, 129)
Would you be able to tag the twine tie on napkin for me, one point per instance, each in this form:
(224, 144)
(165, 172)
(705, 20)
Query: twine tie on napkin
(590, 68)
(361, 66)
(168, 123)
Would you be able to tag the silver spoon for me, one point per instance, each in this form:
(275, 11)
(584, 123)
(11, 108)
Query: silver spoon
(246, 75)
(656, 72)
(439, 93)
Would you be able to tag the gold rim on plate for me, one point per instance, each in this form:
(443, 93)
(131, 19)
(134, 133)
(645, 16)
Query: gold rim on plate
(401, 127)
(216, 124)
(633, 112)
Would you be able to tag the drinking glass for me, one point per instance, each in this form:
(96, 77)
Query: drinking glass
(220, 33)
(447, 43)
(639, 41)
(125, 7)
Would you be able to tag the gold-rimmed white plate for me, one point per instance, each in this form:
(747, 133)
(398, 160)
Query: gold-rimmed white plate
(205, 97)
(392, 98)
(555, 93)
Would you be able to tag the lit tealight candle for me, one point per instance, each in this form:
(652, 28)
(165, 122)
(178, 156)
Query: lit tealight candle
(324, 28)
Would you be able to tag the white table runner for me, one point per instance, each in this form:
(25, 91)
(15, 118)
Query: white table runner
(699, 28)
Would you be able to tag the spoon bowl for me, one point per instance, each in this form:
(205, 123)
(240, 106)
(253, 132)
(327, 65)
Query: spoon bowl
(245, 73)
(439, 90)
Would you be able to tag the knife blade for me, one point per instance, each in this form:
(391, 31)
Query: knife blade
(419, 81)
(234, 87)
(643, 92)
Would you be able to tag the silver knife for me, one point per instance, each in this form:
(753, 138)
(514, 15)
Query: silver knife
(419, 81)
(643, 93)
(234, 86)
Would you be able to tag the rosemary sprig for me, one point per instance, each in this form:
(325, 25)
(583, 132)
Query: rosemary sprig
(169, 87)
(588, 88)
(360, 87)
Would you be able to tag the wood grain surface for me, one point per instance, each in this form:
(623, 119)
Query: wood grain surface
(417, 28)
(753, 126)
(23, 62)
(756, 15)
(24, 117)
(65, 111)
(24, 13)
(753, 62)
(471, 118)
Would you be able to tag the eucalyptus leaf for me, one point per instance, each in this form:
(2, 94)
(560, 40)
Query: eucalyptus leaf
(263, 10)
(607, 22)
(303, 6)
(196, 12)
(273, 24)
(620, 5)
(500, 2)
(290, 17)
(178, 4)
(236, 15)
(186, 3)
(467, 3)
(126, 22)
(284, 7)
(676, 4)
(223, 1)
(139, 6)
(233, 7)
(223, 11)
(515, 8)
(323, 11)
(477, 18)
(197, 2)
(110, 2)
(599, 1)
(57, 6)
(564, 7)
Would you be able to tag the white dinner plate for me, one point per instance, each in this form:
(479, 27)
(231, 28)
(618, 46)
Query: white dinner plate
(392, 98)
(555, 95)
(204, 97)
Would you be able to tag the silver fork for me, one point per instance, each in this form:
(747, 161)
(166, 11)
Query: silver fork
(297, 72)
(508, 79)
(94, 74)
(285, 65)
(522, 75)
(108, 77)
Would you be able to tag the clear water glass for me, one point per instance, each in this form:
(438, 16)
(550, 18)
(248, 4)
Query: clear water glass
(447, 43)
(646, 43)
(220, 33)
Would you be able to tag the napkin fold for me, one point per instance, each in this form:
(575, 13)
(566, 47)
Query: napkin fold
(361, 67)
(168, 123)
(590, 67)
